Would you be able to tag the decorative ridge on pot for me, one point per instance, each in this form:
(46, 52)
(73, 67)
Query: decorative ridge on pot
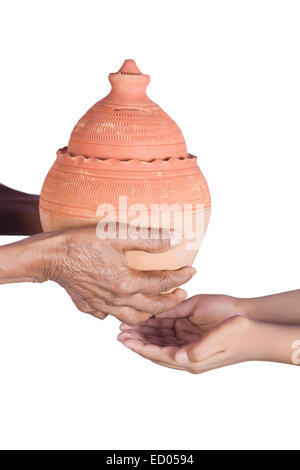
(139, 165)
(126, 124)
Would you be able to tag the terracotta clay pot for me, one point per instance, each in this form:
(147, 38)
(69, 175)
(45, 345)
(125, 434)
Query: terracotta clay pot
(127, 161)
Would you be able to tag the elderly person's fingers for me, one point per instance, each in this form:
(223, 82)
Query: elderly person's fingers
(151, 240)
(155, 282)
(153, 304)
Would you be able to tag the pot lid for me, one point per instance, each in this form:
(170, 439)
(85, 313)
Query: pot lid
(126, 124)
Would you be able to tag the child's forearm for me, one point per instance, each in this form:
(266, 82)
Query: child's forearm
(19, 212)
(277, 308)
(278, 343)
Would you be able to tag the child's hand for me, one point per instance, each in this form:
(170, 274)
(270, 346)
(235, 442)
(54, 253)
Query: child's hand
(199, 336)
(207, 310)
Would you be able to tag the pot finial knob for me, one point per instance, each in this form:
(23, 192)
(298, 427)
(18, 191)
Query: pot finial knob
(130, 67)
(128, 86)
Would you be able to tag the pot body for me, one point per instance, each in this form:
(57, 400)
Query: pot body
(170, 193)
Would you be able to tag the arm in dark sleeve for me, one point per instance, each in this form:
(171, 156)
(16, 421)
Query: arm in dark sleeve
(19, 212)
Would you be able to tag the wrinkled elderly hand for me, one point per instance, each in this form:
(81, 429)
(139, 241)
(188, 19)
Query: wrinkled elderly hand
(95, 274)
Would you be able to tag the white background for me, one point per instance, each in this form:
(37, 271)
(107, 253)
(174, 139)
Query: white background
(228, 72)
